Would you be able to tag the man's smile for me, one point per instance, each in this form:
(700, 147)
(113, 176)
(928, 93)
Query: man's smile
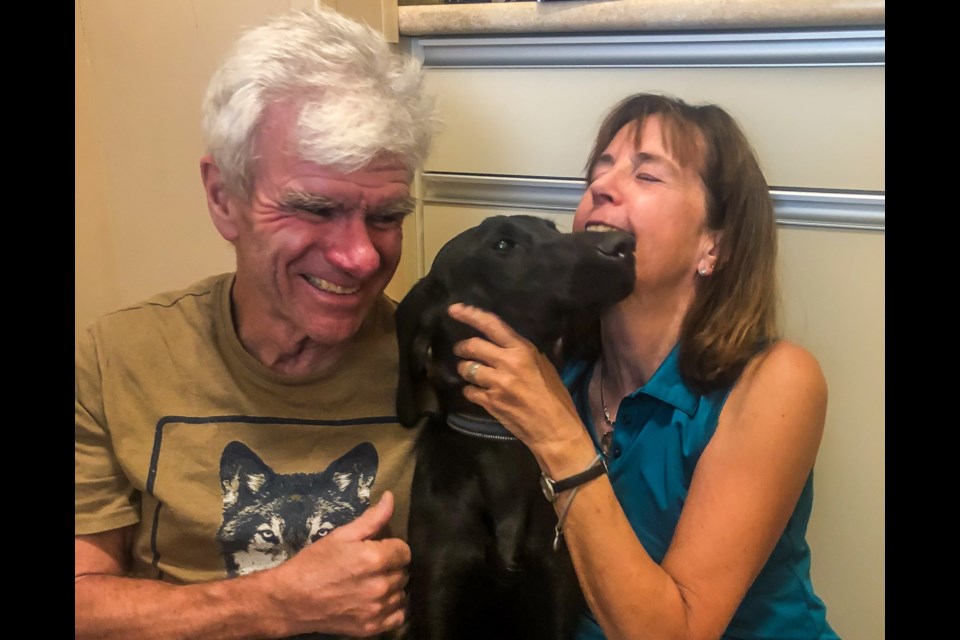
(326, 285)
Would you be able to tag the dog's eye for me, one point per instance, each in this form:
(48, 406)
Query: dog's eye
(504, 244)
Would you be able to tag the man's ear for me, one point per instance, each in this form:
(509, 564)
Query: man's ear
(222, 208)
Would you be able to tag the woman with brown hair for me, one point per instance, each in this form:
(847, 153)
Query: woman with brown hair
(706, 422)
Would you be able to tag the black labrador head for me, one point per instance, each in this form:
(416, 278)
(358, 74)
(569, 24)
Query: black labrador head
(522, 268)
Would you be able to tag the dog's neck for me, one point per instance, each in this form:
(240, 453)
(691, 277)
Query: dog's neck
(461, 415)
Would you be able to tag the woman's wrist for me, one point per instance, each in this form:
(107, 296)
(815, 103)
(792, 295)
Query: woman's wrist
(561, 458)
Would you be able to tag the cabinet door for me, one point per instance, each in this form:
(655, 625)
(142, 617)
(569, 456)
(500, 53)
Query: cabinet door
(813, 127)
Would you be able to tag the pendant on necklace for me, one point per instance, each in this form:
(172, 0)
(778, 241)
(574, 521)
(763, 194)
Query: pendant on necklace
(606, 443)
(606, 439)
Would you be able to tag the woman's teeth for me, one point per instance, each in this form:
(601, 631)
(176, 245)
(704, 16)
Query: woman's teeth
(600, 227)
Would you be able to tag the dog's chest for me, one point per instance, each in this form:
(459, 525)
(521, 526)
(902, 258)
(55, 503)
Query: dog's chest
(492, 487)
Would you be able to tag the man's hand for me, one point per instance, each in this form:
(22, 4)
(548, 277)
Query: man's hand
(348, 582)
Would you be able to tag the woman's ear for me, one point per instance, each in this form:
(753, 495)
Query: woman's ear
(709, 252)
(223, 208)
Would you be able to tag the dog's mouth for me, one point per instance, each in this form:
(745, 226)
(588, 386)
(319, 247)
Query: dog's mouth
(329, 287)
(616, 243)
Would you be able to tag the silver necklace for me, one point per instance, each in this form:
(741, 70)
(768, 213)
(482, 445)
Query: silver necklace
(606, 439)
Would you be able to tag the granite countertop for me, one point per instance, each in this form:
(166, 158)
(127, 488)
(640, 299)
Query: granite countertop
(571, 16)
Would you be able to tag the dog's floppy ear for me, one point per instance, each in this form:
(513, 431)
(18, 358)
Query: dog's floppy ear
(417, 317)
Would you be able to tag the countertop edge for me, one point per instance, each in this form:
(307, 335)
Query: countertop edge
(581, 16)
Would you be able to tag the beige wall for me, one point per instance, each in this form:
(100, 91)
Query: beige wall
(96, 284)
(834, 296)
(140, 71)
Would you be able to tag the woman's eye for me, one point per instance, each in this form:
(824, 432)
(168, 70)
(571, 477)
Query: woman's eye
(646, 177)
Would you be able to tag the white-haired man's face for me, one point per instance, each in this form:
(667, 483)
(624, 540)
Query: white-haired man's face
(315, 246)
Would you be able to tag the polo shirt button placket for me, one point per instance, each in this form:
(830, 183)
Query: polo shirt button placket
(624, 417)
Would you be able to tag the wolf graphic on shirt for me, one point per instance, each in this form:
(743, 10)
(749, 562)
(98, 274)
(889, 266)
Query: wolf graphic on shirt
(268, 517)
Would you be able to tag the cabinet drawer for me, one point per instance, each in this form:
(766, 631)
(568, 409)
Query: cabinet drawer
(812, 127)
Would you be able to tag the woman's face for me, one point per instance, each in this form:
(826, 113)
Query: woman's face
(643, 190)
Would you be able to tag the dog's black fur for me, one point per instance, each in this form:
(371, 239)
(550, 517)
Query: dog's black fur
(480, 530)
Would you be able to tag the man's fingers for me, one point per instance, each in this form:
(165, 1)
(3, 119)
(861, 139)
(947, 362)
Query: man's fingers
(395, 554)
(394, 620)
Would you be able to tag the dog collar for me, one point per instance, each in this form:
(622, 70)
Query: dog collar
(478, 427)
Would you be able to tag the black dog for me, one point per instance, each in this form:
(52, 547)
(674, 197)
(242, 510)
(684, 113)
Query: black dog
(481, 532)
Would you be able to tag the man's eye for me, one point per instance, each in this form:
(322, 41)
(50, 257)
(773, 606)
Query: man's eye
(322, 212)
(308, 208)
(504, 244)
(386, 220)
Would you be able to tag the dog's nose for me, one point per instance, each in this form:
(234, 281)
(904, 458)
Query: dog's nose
(615, 244)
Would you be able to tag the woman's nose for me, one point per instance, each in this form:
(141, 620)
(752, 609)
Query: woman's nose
(605, 188)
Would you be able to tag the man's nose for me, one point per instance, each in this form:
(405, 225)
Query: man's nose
(351, 249)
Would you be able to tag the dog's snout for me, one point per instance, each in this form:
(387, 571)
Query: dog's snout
(616, 245)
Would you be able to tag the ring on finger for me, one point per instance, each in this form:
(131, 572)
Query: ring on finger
(471, 373)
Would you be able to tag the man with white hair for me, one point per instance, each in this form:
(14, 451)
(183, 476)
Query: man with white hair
(230, 436)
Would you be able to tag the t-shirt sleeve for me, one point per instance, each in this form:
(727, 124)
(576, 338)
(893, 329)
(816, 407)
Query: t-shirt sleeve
(103, 498)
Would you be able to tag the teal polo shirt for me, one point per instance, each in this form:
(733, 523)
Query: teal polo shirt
(660, 432)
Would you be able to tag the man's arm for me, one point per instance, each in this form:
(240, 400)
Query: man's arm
(345, 583)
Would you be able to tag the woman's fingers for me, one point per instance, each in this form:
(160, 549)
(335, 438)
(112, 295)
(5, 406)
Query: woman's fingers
(499, 343)
(489, 324)
(468, 370)
(479, 349)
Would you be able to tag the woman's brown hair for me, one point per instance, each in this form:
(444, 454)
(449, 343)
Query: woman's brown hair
(735, 311)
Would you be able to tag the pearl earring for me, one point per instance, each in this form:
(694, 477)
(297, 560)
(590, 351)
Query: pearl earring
(703, 270)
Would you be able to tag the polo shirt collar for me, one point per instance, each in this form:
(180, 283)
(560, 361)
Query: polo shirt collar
(667, 385)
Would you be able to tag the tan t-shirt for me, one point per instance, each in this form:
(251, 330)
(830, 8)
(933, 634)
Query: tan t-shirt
(226, 467)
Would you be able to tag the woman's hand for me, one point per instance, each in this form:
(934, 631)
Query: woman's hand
(519, 386)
